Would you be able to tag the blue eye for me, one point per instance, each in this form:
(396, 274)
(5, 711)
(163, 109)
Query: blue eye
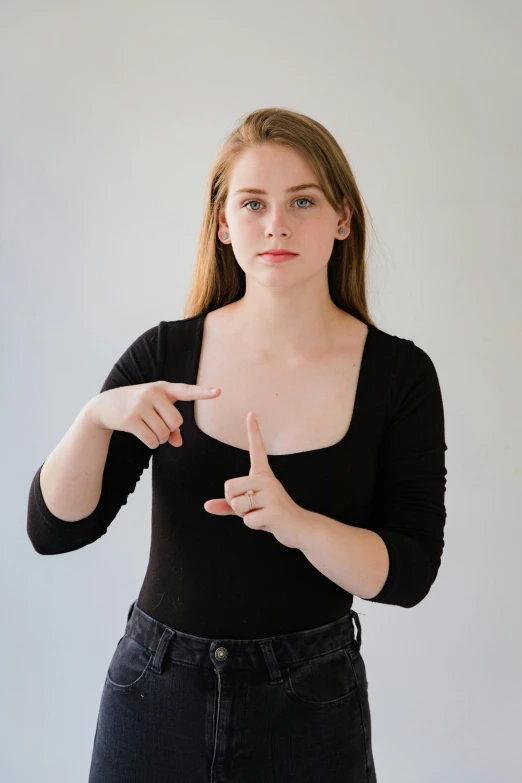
(256, 201)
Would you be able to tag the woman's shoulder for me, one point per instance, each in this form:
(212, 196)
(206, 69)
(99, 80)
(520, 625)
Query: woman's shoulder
(404, 349)
(405, 369)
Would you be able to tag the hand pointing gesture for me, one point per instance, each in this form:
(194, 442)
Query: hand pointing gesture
(272, 509)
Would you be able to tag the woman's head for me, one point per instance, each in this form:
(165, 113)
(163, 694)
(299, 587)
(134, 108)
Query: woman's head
(273, 150)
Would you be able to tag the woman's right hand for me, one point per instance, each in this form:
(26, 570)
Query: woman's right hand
(146, 410)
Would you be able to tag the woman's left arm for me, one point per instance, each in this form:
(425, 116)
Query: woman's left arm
(395, 560)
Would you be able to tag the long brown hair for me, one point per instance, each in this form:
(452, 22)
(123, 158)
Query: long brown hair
(218, 279)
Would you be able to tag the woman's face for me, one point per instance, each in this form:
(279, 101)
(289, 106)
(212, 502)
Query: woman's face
(301, 221)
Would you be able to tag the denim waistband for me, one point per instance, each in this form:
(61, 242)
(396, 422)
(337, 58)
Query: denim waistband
(223, 654)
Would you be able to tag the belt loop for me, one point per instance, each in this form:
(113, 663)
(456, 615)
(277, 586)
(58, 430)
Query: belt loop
(130, 610)
(358, 624)
(159, 655)
(276, 677)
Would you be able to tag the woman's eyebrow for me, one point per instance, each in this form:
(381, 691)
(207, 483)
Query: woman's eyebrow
(293, 189)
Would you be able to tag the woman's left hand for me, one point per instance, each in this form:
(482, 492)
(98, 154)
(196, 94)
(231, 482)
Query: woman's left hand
(274, 509)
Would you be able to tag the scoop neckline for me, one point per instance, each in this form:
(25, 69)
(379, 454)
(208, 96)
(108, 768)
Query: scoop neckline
(200, 323)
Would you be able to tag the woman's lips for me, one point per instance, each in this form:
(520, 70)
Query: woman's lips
(277, 258)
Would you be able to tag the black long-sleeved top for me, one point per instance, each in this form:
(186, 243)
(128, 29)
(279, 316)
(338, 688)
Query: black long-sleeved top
(215, 577)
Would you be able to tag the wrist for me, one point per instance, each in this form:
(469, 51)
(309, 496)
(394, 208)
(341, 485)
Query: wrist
(89, 415)
(312, 526)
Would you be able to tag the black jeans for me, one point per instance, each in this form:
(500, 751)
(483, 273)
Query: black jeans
(177, 708)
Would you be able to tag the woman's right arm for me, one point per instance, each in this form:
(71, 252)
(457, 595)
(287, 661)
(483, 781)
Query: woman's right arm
(91, 473)
(71, 476)
(80, 488)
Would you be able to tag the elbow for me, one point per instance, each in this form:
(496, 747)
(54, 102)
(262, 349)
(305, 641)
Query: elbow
(413, 568)
(44, 543)
(38, 542)
(42, 547)
(406, 600)
(417, 597)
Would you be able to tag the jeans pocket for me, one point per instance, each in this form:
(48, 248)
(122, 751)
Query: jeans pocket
(130, 665)
(326, 680)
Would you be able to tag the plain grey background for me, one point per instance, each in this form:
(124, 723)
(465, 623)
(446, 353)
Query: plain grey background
(112, 113)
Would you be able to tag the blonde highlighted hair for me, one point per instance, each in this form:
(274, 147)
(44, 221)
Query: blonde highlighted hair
(218, 279)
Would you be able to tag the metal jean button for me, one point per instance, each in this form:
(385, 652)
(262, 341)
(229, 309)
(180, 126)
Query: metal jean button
(221, 653)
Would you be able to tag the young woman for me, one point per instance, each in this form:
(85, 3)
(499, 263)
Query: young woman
(315, 472)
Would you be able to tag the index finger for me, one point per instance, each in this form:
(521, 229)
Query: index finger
(258, 458)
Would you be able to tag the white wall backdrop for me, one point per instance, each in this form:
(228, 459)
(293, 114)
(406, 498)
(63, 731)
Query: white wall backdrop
(112, 113)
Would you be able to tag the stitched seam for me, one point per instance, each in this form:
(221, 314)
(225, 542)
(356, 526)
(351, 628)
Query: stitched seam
(365, 736)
